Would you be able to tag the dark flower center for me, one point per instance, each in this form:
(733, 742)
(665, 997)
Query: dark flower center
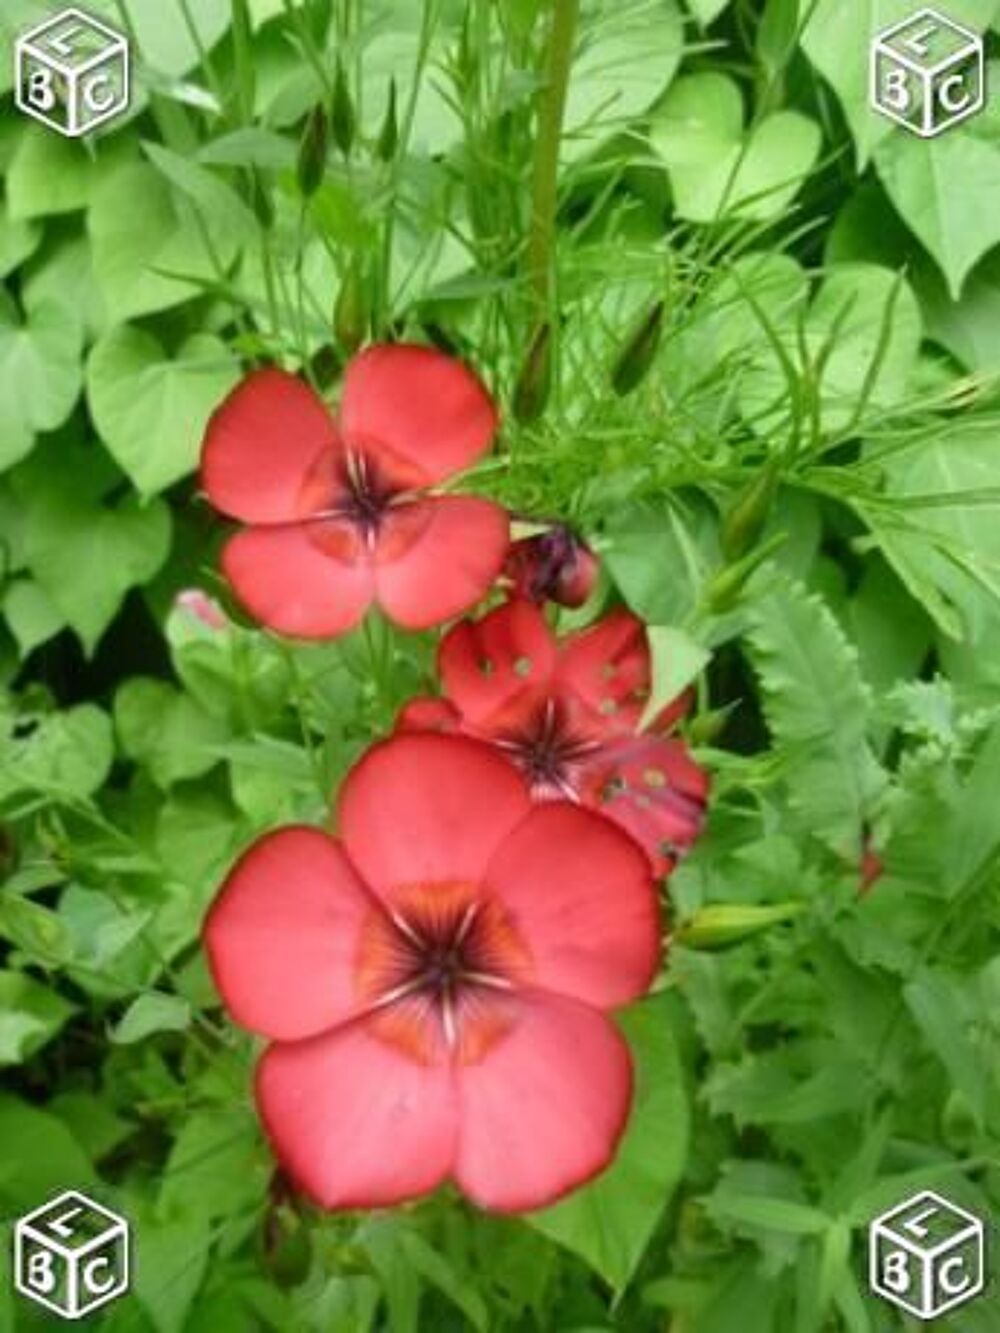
(364, 493)
(548, 750)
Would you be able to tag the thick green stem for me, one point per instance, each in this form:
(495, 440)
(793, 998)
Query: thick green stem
(559, 58)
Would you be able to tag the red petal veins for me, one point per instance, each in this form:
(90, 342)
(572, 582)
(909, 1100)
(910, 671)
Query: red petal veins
(282, 934)
(545, 1110)
(416, 406)
(582, 895)
(488, 665)
(437, 557)
(262, 445)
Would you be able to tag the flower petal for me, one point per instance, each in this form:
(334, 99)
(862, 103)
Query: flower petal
(653, 789)
(417, 406)
(544, 1110)
(425, 713)
(261, 446)
(290, 582)
(581, 894)
(437, 557)
(606, 666)
(282, 934)
(488, 666)
(426, 808)
(354, 1122)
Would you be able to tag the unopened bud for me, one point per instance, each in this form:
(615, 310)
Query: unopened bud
(260, 200)
(745, 522)
(636, 357)
(553, 566)
(726, 588)
(534, 383)
(342, 120)
(727, 924)
(388, 135)
(350, 314)
(313, 150)
(707, 727)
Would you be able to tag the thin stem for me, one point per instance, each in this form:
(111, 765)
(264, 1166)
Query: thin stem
(559, 58)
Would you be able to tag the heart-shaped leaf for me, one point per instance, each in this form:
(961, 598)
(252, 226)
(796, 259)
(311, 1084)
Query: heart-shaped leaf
(151, 410)
(719, 169)
(39, 373)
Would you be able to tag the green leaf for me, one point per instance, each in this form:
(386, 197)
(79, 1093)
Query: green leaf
(48, 1160)
(716, 168)
(957, 226)
(944, 1013)
(67, 754)
(837, 41)
(676, 660)
(30, 1015)
(219, 1156)
(969, 327)
(625, 60)
(40, 376)
(18, 241)
(166, 730)
(947, 553)
(213, 196)
(706, 10)
(151, 1013)
(163, 34)
(84, 554)
(31, 615)
(151, 410)
(48, 174)
(147, 242)
(817, 708)
(609, 1222)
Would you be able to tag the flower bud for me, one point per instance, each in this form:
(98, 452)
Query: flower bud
(534, 383)
(202, 608)
(260, 200)
(872, 868)
(350, 314)
(706, 728)
(554, 566)
(726, 924)
(388, 135)
(285, 1246)
(746, 520)
(342, 120)
(313, 150)
(726, 588)
(636, 357)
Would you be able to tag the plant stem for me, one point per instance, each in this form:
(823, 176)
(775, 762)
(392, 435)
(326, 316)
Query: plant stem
(541, 239)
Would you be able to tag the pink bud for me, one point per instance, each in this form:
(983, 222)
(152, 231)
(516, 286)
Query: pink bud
(201, 607)
(554, 566)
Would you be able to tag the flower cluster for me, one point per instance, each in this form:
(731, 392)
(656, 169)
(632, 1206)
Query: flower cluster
(435, 980)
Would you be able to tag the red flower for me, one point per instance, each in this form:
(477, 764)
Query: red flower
(434, 982)
(567, 713)
(553, 566)
(338, 513)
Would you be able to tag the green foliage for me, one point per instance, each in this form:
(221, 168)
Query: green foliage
(766, 294)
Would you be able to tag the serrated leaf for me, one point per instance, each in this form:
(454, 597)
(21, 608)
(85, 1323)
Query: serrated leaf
(817, 709)
(151, 409)
(609, 1222)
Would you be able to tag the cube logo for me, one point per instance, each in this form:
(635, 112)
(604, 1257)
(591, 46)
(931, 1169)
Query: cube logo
(928, 73)
(927, 1256)
(71, 1255)
(72, 73)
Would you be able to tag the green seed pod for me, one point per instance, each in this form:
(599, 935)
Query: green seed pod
(388, 135)
(342, 120)
(707, 727)
(350, 314)
(313, 150)
(534, 383)
(727, 924)
(636, 357)
(745, 522)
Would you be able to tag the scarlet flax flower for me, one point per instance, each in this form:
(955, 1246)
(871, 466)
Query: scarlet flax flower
(568, 713)
(434, 982)
(341, 514)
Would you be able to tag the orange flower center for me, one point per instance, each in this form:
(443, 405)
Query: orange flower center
(437, 970)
